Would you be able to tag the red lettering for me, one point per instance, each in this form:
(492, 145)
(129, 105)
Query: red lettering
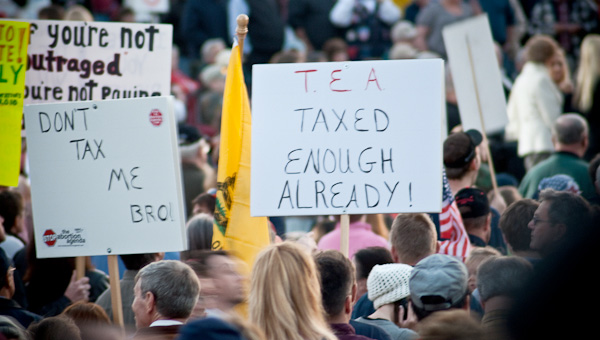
(373, 78)
(305, 78)
(333, 80)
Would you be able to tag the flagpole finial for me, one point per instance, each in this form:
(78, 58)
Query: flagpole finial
(241, 30)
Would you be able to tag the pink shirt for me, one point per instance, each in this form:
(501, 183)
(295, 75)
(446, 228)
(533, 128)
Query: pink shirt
(361, 236)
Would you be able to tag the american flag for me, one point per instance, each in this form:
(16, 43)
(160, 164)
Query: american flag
(454, 238)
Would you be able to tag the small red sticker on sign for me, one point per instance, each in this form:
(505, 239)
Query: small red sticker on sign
(156, 117)
(49, 237)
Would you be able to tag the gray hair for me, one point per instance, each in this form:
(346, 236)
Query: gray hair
(570, 128)
(502, 276)
(174, 285)
(200, 232)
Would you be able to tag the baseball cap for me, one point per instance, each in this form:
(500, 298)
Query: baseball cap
(437, 282)
(472, 202)
(459, 148)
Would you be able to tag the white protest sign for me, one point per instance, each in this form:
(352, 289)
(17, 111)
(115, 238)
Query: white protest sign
(78, 61)
(148, 6)
(346, 138)
(476, 74)
(105, 177)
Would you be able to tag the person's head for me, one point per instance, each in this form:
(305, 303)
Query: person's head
(322, 227)
(474, 259)
(588, 72)
(438, 282)
(219, 276)
(402, 50)
(336, 49)
(450, 325)
(306, 240)
(229, 327)
(165, 289)
(364, 260)
(138, 261)
(285, 294)
(54, 327)
(560, 216)
(11, 210)
(91, 319)
(86, 313)
(502, 276)
(570, 133)
(213, 78)
(540, 49)
(513, 224)
(338, 287)
(475, 211)
(287, 56)
(11, 330)
(461, 155)
(125, 14)
(51, 12)
(413, 238)
(388, 284)
(558, 182)
(557, 65)
(205, 202)
(509, 193)
(403, 31)
(210, 49)
(78, 13)
(200, 232)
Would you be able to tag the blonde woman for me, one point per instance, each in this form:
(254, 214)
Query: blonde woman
(535, 102)
(587, 91)
(285, 295)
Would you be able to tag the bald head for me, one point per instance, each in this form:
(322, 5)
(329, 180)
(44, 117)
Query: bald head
(570, 133)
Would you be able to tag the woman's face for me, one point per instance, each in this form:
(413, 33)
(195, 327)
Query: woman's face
(556, 67)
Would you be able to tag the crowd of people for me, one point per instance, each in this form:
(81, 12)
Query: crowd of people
(499, 262)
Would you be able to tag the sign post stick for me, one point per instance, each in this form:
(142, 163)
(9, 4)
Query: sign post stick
(80, 267)
(487, 144)
(115, 289)
(345, 234)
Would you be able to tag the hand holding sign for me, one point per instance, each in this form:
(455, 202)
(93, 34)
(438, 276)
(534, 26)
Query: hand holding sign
(78, 290)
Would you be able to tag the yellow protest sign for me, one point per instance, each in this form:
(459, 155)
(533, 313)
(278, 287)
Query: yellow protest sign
(14, 39)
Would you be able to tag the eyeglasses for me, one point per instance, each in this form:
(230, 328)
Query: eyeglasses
(536, 220)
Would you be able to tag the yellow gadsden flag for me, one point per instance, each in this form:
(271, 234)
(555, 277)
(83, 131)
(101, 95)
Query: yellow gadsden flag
(234, 229)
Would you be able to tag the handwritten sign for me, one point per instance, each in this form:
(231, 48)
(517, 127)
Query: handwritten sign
(345, 138)
(476, 74)
(105, 177)
(78, 61)
(13, 61)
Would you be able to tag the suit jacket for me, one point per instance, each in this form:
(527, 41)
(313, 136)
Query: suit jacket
(157, 333)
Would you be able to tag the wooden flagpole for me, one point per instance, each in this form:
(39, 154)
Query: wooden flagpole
(241, 31)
